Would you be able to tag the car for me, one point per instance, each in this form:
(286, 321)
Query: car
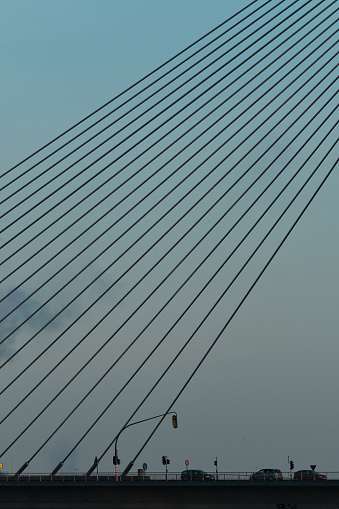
(309, 475)
(267, 474)
(196, 475)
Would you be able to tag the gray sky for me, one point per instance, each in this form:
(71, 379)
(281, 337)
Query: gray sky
(272, 377)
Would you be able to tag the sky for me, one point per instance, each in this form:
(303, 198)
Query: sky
(268, 390)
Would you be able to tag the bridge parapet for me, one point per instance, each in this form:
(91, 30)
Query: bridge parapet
(152, 476)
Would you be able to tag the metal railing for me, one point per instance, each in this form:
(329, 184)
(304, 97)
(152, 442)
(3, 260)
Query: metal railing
(154, 476)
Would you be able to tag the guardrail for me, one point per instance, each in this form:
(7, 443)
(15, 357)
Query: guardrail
(143, 476)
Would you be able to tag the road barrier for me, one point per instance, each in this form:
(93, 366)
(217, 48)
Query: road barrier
(152, 476)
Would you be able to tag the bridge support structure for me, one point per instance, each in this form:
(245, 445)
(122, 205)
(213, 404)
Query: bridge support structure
(93, 494)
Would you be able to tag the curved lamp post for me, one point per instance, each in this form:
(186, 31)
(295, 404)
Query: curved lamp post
(116, 460)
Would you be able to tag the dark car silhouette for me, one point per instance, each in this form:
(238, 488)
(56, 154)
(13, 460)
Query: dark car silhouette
(267, 474)
(309, 475)
(196, 475)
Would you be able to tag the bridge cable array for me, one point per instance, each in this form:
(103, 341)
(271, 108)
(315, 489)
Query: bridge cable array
(212, 197)
(134, 132)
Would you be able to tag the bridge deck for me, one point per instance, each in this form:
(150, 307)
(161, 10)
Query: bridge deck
(171, 494)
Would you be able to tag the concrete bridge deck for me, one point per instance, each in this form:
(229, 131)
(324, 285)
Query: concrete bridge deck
(169, 495)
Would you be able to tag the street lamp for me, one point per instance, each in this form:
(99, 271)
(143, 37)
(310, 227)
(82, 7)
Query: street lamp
(116, 460)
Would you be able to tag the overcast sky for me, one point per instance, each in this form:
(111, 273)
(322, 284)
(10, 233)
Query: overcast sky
(269, 388)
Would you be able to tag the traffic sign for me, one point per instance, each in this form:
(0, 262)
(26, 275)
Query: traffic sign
(187, 463)
(144, 466)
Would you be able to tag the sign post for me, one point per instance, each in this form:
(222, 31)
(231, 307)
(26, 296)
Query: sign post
(216, 467)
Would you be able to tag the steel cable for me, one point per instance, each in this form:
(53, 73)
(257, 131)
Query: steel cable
(131, 110)
(117, 204)
(137, 130)
(93, 303)
(195, 298)
(101, 456)
(235, 311)
(134, 85)
(59, 271)
(281, 171)
(154, 290)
